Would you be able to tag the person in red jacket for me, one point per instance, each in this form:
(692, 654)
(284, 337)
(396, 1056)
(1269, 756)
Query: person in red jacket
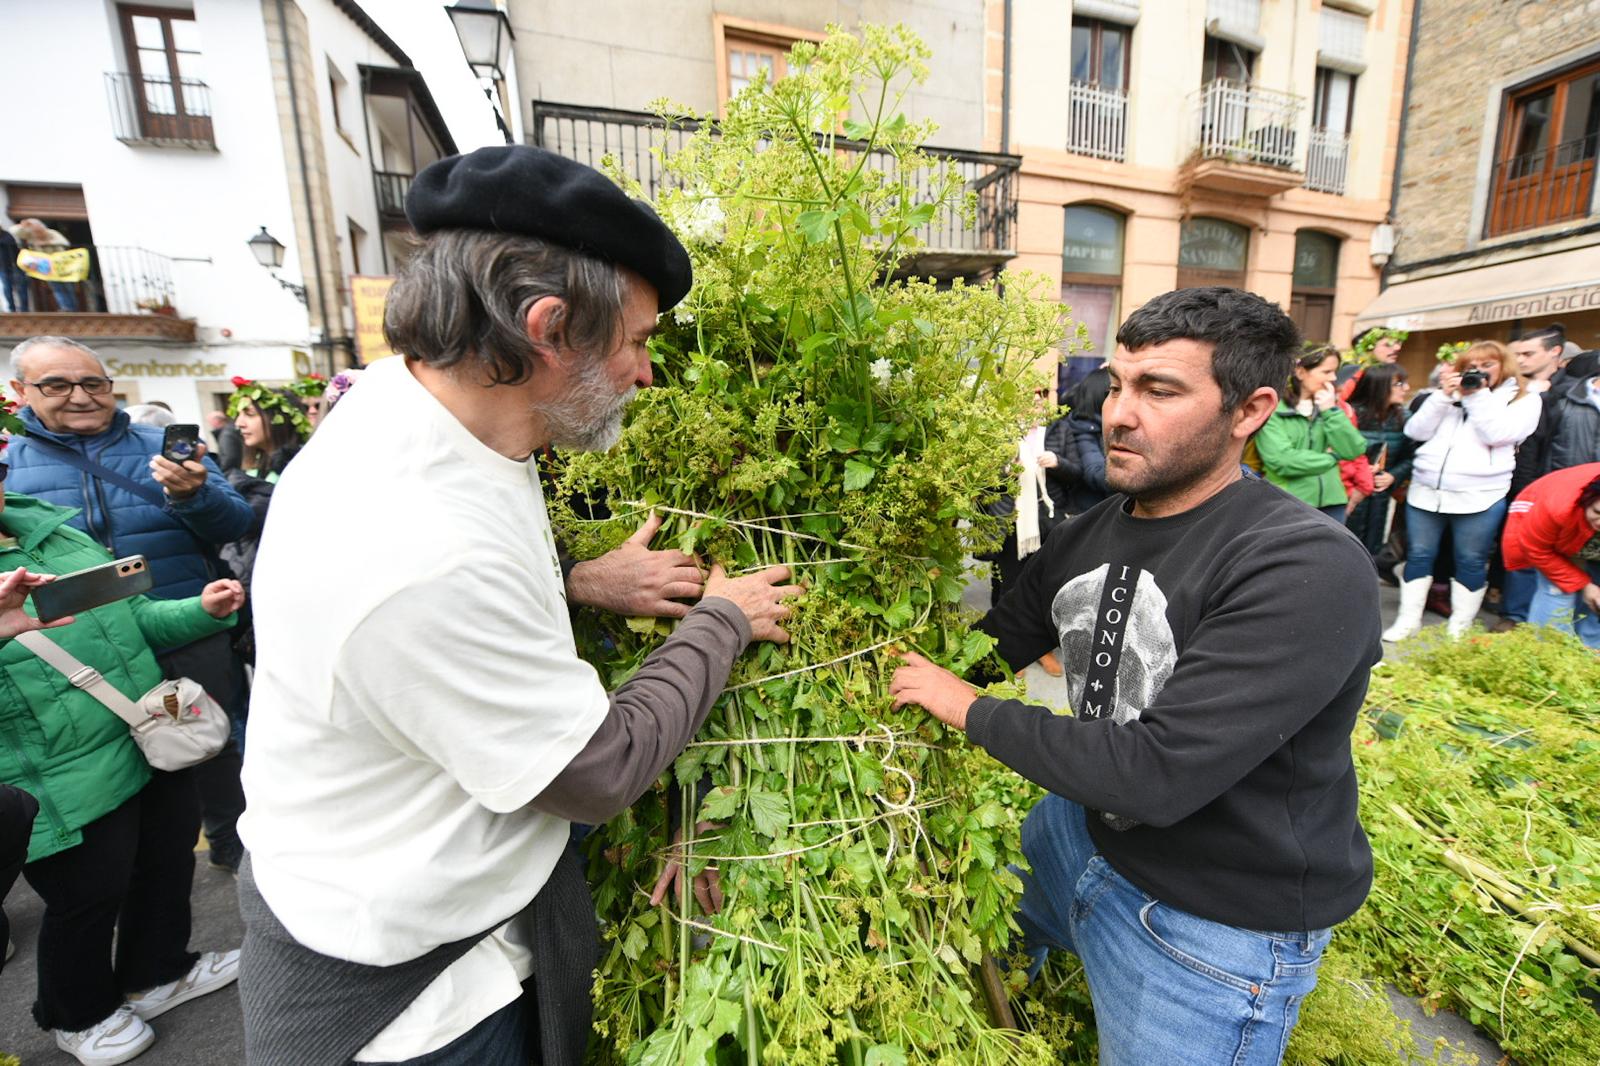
(1554, 525)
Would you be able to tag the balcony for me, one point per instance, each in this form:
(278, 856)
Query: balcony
(1543, 188)
(1097, 121)
(1245, 139)
(1327, 158)
(158, 111)
(391, 189)
(952, 247)
(128, 295)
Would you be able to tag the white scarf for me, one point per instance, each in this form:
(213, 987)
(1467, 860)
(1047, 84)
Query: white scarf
(1031, 492)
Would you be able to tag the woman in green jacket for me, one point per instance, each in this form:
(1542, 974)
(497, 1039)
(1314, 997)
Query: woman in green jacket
(1303, 441)
(112, 849)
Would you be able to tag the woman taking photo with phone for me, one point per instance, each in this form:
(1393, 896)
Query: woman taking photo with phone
(1303, 442)
(112, 848)
(1468, 431)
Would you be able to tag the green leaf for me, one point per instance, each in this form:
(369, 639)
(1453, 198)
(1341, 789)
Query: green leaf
(719, 803)
(641, 624)
(857, 130)
(815, 226)
(921, 215)
(878, 437)
(815, 341)
(634, 943)
(857, 475)
(885, 1055)
(769, 811)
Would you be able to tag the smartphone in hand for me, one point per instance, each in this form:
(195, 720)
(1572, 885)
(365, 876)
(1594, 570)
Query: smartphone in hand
(179, 441)
(91, 588)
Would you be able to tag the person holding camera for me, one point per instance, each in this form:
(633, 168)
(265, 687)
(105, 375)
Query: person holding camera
(1468, 431)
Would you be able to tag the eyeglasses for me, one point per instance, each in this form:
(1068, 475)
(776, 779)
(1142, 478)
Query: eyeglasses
(57, 387)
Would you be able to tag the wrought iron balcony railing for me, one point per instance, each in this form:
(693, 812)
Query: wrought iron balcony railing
(158, 110)
(1097, 121)
(1239, 122)
(636, 140)
(1542, 188)
(1327, 159)
(122, 280)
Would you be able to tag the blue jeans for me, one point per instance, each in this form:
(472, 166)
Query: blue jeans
(66, 296)
(1473, 535)
(15, 283)
(1168, 986)
(1335, 512)
(1517, 594)
(1566, 611)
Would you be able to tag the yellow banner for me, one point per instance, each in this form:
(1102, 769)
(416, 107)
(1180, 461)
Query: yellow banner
(70, 265)
(367, 296)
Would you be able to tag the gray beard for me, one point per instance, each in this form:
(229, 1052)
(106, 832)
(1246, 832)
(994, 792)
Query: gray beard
(585, 418)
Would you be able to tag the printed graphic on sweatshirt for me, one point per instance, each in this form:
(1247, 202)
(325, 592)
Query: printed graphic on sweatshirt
(1117, 649)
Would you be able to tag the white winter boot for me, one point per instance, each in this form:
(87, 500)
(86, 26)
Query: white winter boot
(1413, 598)
(1464, 604)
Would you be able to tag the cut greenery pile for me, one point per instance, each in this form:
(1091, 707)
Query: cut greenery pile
(815, 411)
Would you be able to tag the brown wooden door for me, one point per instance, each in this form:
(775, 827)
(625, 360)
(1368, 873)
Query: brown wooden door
(1313, 314)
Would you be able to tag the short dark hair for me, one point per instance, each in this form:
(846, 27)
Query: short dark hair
(1590, 495)
(1552, 336)
(1254, 343)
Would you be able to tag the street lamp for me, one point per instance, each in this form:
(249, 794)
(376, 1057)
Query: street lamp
(268, 251)
(485, 36)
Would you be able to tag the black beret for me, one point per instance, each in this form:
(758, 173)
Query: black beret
(516, 188)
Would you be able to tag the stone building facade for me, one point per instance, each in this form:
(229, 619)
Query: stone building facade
(1497, 212)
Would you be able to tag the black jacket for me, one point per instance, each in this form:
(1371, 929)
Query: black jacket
(1569, 427)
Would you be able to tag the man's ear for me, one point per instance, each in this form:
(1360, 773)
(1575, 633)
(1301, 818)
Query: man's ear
(1254, 412)
(16, 389)
(546, 325)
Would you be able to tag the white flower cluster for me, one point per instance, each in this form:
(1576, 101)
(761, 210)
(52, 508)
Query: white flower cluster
(881, 370)
(702, 223)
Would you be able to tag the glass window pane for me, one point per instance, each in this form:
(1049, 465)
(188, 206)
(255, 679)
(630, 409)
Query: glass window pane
(1093, 243)
(1112, 43)
(1096, 307)
(185, 35)
(1341, 89)
(189, 66)
(1213, 244)
(1583, 111)
(1080, 52)
(147, 32)
(158, 98)
(1316, 260)
(1533, 123)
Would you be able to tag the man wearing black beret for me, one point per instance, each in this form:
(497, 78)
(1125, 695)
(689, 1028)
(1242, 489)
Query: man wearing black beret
(423, 737)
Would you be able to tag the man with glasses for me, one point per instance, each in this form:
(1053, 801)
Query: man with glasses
(83, 453)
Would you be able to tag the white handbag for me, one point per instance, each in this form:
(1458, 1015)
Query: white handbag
(175, 724)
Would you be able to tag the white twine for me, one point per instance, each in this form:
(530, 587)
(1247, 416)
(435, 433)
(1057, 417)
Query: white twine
(1506, 985)
(682, 848)
(741, 522)
(908, 808)
(860, 738)
(814, 666)
(707, 928)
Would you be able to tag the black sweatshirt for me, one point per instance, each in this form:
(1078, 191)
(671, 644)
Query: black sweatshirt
(1216, 660)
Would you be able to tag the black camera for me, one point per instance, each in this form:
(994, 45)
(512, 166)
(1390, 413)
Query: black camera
(1473, 379)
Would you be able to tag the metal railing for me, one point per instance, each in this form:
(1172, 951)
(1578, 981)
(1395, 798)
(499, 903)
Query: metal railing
(1342, 35)
(123, 280)
(1327, 159)
(1237, 14)
(1542, 188)
(1097, 121)
(158, 110)
(391, 189)
(637, 141)
(1237, 121)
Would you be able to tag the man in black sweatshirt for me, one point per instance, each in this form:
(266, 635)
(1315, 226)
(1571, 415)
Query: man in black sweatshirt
(1200, 838)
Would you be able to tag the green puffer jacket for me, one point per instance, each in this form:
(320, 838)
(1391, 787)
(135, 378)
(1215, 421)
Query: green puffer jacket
(1301, 455)
(58, 743)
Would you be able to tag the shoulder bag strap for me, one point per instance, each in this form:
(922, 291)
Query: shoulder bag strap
(104, 473)
(83, 677)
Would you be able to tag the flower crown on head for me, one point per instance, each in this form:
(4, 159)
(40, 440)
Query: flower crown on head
(270, 402)
(309, 387)
(1448, 352)
(1362, 352)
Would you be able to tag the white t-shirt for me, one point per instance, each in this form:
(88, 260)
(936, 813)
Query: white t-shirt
(416, 686)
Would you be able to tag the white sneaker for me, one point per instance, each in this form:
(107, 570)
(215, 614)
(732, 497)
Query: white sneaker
(214, 970)
(122, 1036)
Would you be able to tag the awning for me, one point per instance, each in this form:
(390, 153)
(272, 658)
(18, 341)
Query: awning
(1554, 284)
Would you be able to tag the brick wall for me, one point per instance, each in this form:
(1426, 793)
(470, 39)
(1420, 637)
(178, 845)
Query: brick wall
(1463, 46)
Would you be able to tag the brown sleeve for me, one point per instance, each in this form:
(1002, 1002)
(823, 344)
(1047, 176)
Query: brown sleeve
(652, 717)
